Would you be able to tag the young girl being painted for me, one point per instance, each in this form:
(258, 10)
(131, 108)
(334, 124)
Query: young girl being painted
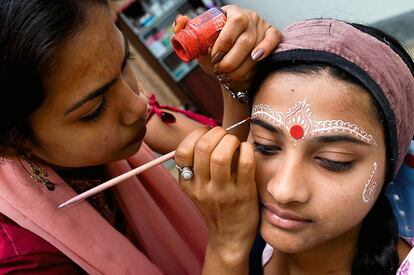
(331, 123)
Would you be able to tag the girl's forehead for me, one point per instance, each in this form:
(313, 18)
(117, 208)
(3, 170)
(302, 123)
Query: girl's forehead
(306, 104)
(299, 123)
(327, 96)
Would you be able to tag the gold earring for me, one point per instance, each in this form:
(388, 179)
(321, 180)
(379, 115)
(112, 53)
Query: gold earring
(37, 173)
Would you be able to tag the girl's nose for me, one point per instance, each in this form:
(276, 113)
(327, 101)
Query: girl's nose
(289, 183)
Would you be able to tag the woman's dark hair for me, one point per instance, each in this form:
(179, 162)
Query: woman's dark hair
(377, 243)
(30, 30)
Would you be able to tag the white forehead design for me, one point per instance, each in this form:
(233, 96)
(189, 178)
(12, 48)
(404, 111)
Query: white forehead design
(299, 124)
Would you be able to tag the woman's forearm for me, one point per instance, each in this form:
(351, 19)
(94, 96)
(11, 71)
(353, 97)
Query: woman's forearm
(163, 138)
(234, 111)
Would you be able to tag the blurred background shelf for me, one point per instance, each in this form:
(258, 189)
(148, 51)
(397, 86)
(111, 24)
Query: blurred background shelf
(148, 25)
(170, 11)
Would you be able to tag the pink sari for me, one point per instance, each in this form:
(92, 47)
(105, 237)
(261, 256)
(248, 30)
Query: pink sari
(170, 231)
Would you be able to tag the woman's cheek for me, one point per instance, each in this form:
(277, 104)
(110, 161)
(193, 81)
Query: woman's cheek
(262, 180)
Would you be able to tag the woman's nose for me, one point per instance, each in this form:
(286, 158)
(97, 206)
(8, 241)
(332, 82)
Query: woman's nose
(289, 183)
(133, 106)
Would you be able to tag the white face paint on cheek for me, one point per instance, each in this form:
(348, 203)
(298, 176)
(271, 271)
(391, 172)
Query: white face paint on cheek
(370, 186)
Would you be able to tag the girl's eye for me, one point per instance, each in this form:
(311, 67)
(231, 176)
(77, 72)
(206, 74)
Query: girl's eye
(335, 166)
(266, 149)
(97, 113)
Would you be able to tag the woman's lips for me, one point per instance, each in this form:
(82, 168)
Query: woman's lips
(284, 219)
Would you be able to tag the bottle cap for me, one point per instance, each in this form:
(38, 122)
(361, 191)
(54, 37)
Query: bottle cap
(185, 45)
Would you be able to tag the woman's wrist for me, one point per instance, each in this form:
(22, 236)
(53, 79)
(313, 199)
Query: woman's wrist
(238, 90)
(240, 94)
(226, 259)
(233, 112)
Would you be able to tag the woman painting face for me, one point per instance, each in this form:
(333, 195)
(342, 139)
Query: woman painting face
(320, 159)
(93, 112)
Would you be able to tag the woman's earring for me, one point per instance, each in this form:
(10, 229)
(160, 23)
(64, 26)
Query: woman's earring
(37, 173)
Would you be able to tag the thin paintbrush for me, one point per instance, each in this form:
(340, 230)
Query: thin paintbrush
(129, 174)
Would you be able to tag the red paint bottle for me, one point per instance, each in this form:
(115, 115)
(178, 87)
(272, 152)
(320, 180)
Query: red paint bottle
(199, 34)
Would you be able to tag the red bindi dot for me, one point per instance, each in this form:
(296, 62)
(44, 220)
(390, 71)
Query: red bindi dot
(409, 160)
(297, 132)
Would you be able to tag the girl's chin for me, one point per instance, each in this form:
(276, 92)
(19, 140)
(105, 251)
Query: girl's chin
(283, 241)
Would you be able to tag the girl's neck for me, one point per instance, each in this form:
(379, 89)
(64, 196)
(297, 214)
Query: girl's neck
(333, 257)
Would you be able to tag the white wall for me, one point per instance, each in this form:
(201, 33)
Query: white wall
(281, 13)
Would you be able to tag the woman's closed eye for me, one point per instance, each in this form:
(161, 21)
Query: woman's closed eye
(100, 110)
(266, 149)
(335, 166)
(97, 112)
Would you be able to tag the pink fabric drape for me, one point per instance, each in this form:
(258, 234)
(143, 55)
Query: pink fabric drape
(163, 219)
(170, 230)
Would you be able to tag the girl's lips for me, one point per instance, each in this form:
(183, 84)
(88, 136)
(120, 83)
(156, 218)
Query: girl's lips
(284, 219)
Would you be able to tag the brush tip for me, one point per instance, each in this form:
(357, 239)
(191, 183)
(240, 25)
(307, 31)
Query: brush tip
(62, 205)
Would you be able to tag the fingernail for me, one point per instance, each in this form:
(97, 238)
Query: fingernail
(217, 57)
(257, 54)
(175, 20)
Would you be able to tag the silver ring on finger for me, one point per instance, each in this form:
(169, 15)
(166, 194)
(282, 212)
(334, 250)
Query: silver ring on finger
(185, 172)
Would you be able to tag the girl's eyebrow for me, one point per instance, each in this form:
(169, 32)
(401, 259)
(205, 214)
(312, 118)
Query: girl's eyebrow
(338, 138)
(316, 139)
(265, 125)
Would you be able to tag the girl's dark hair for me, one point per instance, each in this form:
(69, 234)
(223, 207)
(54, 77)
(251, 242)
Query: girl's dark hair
(30, 30)
(377, 243)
